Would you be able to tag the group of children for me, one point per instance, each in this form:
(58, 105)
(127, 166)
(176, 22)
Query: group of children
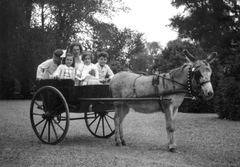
(78, 68)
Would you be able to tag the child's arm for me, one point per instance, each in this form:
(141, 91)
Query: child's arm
(57, 73)
(74, 74)
(41, 67)
(110, 72)
(79, 71)
(96, 72)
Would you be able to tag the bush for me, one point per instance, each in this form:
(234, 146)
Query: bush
(7, 88)
(196, 106)
(227, 99)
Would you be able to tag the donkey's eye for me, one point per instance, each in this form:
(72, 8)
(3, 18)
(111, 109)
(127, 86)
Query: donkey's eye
(197, 75)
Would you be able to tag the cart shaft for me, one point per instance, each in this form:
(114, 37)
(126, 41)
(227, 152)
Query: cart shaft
(122, 99)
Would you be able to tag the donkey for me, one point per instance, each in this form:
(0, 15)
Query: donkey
(191, 78)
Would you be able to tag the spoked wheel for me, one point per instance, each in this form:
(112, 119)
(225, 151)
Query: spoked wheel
(49, 115)
(100, 122)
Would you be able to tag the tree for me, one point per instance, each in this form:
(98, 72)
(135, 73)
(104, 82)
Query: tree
(154, 48)
(141, 62)
(73, 17)
(171, 57)
(214, 25)
(227, 98)
(13, 44)
(123, 45)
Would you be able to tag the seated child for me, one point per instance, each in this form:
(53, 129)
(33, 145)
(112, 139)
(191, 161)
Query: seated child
(87, 72)
(46, 69)
(105, 73)
(66, 70)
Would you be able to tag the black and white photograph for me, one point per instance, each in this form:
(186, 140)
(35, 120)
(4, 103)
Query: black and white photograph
(120, 83)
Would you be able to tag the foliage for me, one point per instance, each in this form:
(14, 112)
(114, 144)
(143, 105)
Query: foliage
(13, 49)
(70, 18)
(154, 48)
(214, 25)
(227, 100)
(171, 57)
(122, 45)
(196, 106)
(141, 62)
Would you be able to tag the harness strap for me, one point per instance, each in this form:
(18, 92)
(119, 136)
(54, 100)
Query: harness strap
(173, 83)
(155, 83)
(202, 83)
(159, 102)
(134, 89)
(191, 93)
(189, 82)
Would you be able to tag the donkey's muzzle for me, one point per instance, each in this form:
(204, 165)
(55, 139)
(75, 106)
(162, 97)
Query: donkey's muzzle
(209, 95)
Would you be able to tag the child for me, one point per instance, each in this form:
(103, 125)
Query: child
(87, 73)
(46, 69)
(105, 73)
(66, 70)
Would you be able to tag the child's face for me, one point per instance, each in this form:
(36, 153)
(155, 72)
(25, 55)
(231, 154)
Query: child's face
(69, 61)
(87, 60)
(102, 61)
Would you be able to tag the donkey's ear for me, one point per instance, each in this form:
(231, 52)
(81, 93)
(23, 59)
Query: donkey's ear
(190, 57)
(211, 57)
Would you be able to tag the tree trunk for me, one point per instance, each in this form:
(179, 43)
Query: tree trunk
(28, 9)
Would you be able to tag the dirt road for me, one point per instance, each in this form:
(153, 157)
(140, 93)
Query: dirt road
(203, 140)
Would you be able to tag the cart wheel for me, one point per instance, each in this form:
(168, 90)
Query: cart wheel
(49, 115)
(100, 124)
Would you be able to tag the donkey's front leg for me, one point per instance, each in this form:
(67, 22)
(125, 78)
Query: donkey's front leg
(124, 112)
(169, 117)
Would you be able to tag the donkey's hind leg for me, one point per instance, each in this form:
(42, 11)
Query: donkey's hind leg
(125, 111)
(118, 108)
(120, 112)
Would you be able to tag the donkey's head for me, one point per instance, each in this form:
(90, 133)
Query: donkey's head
(201, 74)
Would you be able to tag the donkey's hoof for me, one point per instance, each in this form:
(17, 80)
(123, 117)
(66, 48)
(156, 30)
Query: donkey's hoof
(124, 143)
(118, 144)
(173, 150)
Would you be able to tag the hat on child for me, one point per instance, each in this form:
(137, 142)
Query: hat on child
(58, 52)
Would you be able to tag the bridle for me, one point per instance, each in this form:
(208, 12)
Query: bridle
(192, 74)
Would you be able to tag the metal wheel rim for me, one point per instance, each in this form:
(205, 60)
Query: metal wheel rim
(100, 124)
(49, 126)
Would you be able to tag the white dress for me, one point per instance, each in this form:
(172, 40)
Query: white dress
(83, 74)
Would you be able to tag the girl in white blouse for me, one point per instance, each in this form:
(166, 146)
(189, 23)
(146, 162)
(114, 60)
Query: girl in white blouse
(66, 70)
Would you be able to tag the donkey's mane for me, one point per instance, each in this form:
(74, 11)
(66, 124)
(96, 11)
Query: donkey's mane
(178, 70)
